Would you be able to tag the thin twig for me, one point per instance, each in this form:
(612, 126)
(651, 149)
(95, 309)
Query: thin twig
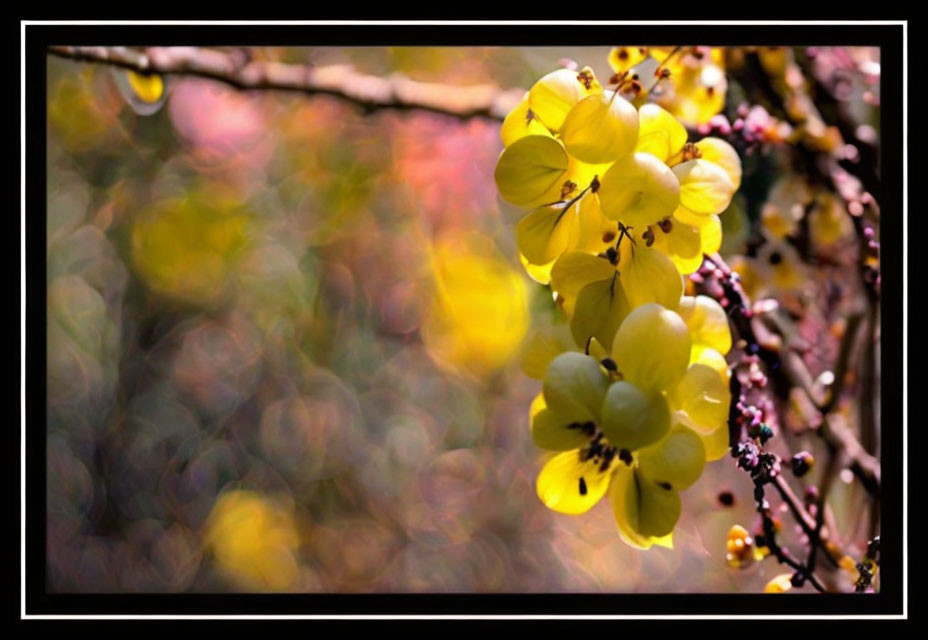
(341, 81)
(780, 553)
(791, 371)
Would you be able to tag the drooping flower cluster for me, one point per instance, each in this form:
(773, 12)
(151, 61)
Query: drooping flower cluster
(621, 206)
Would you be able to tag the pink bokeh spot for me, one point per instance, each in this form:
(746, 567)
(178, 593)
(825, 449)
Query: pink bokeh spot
(217, 121)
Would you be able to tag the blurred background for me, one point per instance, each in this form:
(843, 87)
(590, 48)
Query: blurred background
(284, 339)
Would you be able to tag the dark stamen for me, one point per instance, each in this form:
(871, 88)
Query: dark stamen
(648, 237)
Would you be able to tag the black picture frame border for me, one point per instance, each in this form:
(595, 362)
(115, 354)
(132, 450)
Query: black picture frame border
(889, 602)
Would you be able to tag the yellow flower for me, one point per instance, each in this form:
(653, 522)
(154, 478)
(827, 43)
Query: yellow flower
(479, 314)
(780, 266)
(739, 547)
(621, 205)
(148, 88)
(554, 95)
(253, 539)
(695, 89)
(634, 422)
(597, 295)
(550, 231)
(780, 584)
(604, 166)
(625, 58)
(685, 238)
(707, 323)
(521, 122)
(708, 174)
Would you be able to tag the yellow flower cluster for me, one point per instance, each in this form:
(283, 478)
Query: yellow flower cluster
(622, 205)
(689, 81)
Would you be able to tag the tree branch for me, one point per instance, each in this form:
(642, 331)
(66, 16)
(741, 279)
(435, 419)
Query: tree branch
(788, 370)
(340, 81)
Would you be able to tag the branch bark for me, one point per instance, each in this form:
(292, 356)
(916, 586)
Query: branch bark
(341, 81)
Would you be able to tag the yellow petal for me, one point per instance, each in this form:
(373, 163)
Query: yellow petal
(777, 221)
(624, 58)
(642, 509)
(575, 270)
(711, 234)
(677, 460)
(545, 233)
(574, 387)
(650, 276)
(520, 123)
(253, 538)
(782, 265)
(539, 273)
(597, 351)
(479, 315)
(582, 173)
(529, 172)
(704, 397)
(639, 190)
(719, 152)
(551, 433)
(707, 322)
(682, 214)
(662, 55)
(659, 133)
(632, 418)
(595, 232)
(682, 244)
(600, 308)
(600, 128)
(716, 443)
(538, 404)
(698, 94)
(570, 486)
(829, 221)
(553, 96)
(705, 188)
(148, 88)
(652, 348)
(780, 584)
(540, 349)
(708, 356)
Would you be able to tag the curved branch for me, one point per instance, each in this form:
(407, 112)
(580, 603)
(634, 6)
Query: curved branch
(341, 81)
